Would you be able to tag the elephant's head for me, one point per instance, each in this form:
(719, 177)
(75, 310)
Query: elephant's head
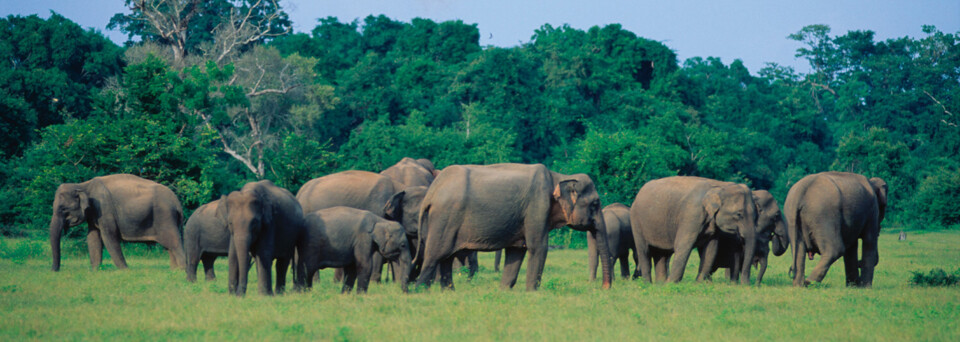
(391, 242)
(770, 223)
(577, 198)
(730, 209)
(404, 207)
(70, 207)
(246, 213)
(880, 188)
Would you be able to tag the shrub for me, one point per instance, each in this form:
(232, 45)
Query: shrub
(936, 277)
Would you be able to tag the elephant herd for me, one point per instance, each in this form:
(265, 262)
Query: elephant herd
(420, 220)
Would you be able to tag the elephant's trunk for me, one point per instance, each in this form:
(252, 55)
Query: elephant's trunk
(57, 223)
(748, 233)
(592, 254)
(406, 264)
(780, 238)
(603, 249)
(242, 255)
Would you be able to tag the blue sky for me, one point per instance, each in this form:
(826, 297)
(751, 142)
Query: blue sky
(754, 31)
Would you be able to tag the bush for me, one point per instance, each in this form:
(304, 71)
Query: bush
(936, 277)
(937, 201)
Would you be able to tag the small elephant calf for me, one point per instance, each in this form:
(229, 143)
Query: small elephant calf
(205, 237)
(349, 238)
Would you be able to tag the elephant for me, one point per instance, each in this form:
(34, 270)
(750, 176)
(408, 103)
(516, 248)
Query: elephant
(348, 238)
(410, 172)
(616, 216)
(264, 221)
(827, 213)
(675, 214)
(368, 191)
(513, 206)
(205, 237)
(120, 207)
(771, 227)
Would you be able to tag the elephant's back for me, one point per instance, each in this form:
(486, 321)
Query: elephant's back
(409, 172)
(661, 204)
(356, 189)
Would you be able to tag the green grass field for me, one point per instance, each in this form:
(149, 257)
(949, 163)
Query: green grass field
(152, 302)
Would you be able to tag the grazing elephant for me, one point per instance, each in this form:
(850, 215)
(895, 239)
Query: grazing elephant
(118, 208)
(619, 239)
(513, 206)
(827, 213)
(205, 237)
(771, 227)
(264, 221)
(367, 191)
(348, 238)
(675, 214)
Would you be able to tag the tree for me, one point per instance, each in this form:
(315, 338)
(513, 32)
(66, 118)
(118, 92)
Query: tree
(49, 69)
(217, 29)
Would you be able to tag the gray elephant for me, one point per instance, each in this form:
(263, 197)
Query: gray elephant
(513, 206)
(828, 213)
(367, 191)
(118, 208)
(348, 238)
(205, 237)
(410, 172)
(675, 214)
(616, 216)
(265, 221)
(771, 227)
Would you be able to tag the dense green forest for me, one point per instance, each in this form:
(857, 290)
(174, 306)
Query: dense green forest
(211, 97)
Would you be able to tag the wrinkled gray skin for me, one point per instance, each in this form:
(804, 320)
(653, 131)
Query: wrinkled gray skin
(828, 213)
(118, 208)
(413, 177)
(265, 222)
(619, 238)
(410, 172)
(205, 237)
(513, 206)
(367, 191)
(771, 227)
(348, 238)
(670, 216)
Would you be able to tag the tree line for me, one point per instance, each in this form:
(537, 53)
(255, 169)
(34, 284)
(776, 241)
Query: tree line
(209, 95)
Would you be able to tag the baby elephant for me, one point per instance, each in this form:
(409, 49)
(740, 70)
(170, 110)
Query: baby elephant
(349, 238)
(205, 237)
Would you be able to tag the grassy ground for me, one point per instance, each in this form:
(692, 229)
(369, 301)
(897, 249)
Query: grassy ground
(153, 302)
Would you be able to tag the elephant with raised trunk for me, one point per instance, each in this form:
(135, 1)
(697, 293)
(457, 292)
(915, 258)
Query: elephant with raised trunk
(670, 216)
(265, 221)
(513, 206)
(828, 213)
(118, 208)
(616, 216)
(205, 237)
(348, 238)
(771, 228)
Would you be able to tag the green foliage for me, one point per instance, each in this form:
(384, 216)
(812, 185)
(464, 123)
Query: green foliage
(937, 201)
(936, 277)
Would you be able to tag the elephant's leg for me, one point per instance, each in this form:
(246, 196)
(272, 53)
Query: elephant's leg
(624, 266)
(513, 258)
(364, 268)
(636, 272)
(264, 274)
(662, 263)
(112, 242)
(446, 274)
(871, 257)
(282, 265)
(827, 235)
(376, 264)
(538, 258)
(828, 255)
(169, 237)
(762, 270)
(337, 275)
(349, 277)
(708, 257)
(474, 264)
(95, 247)
(208, 260)
(851, 265)
(799, 263)
(643, 268)
(496, 260)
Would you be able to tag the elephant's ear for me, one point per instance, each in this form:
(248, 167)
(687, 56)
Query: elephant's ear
(711, 205)
(380, 235)
(566, 192)
(393, 210)
(267, 207)
(880, 188)
(84, 201)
